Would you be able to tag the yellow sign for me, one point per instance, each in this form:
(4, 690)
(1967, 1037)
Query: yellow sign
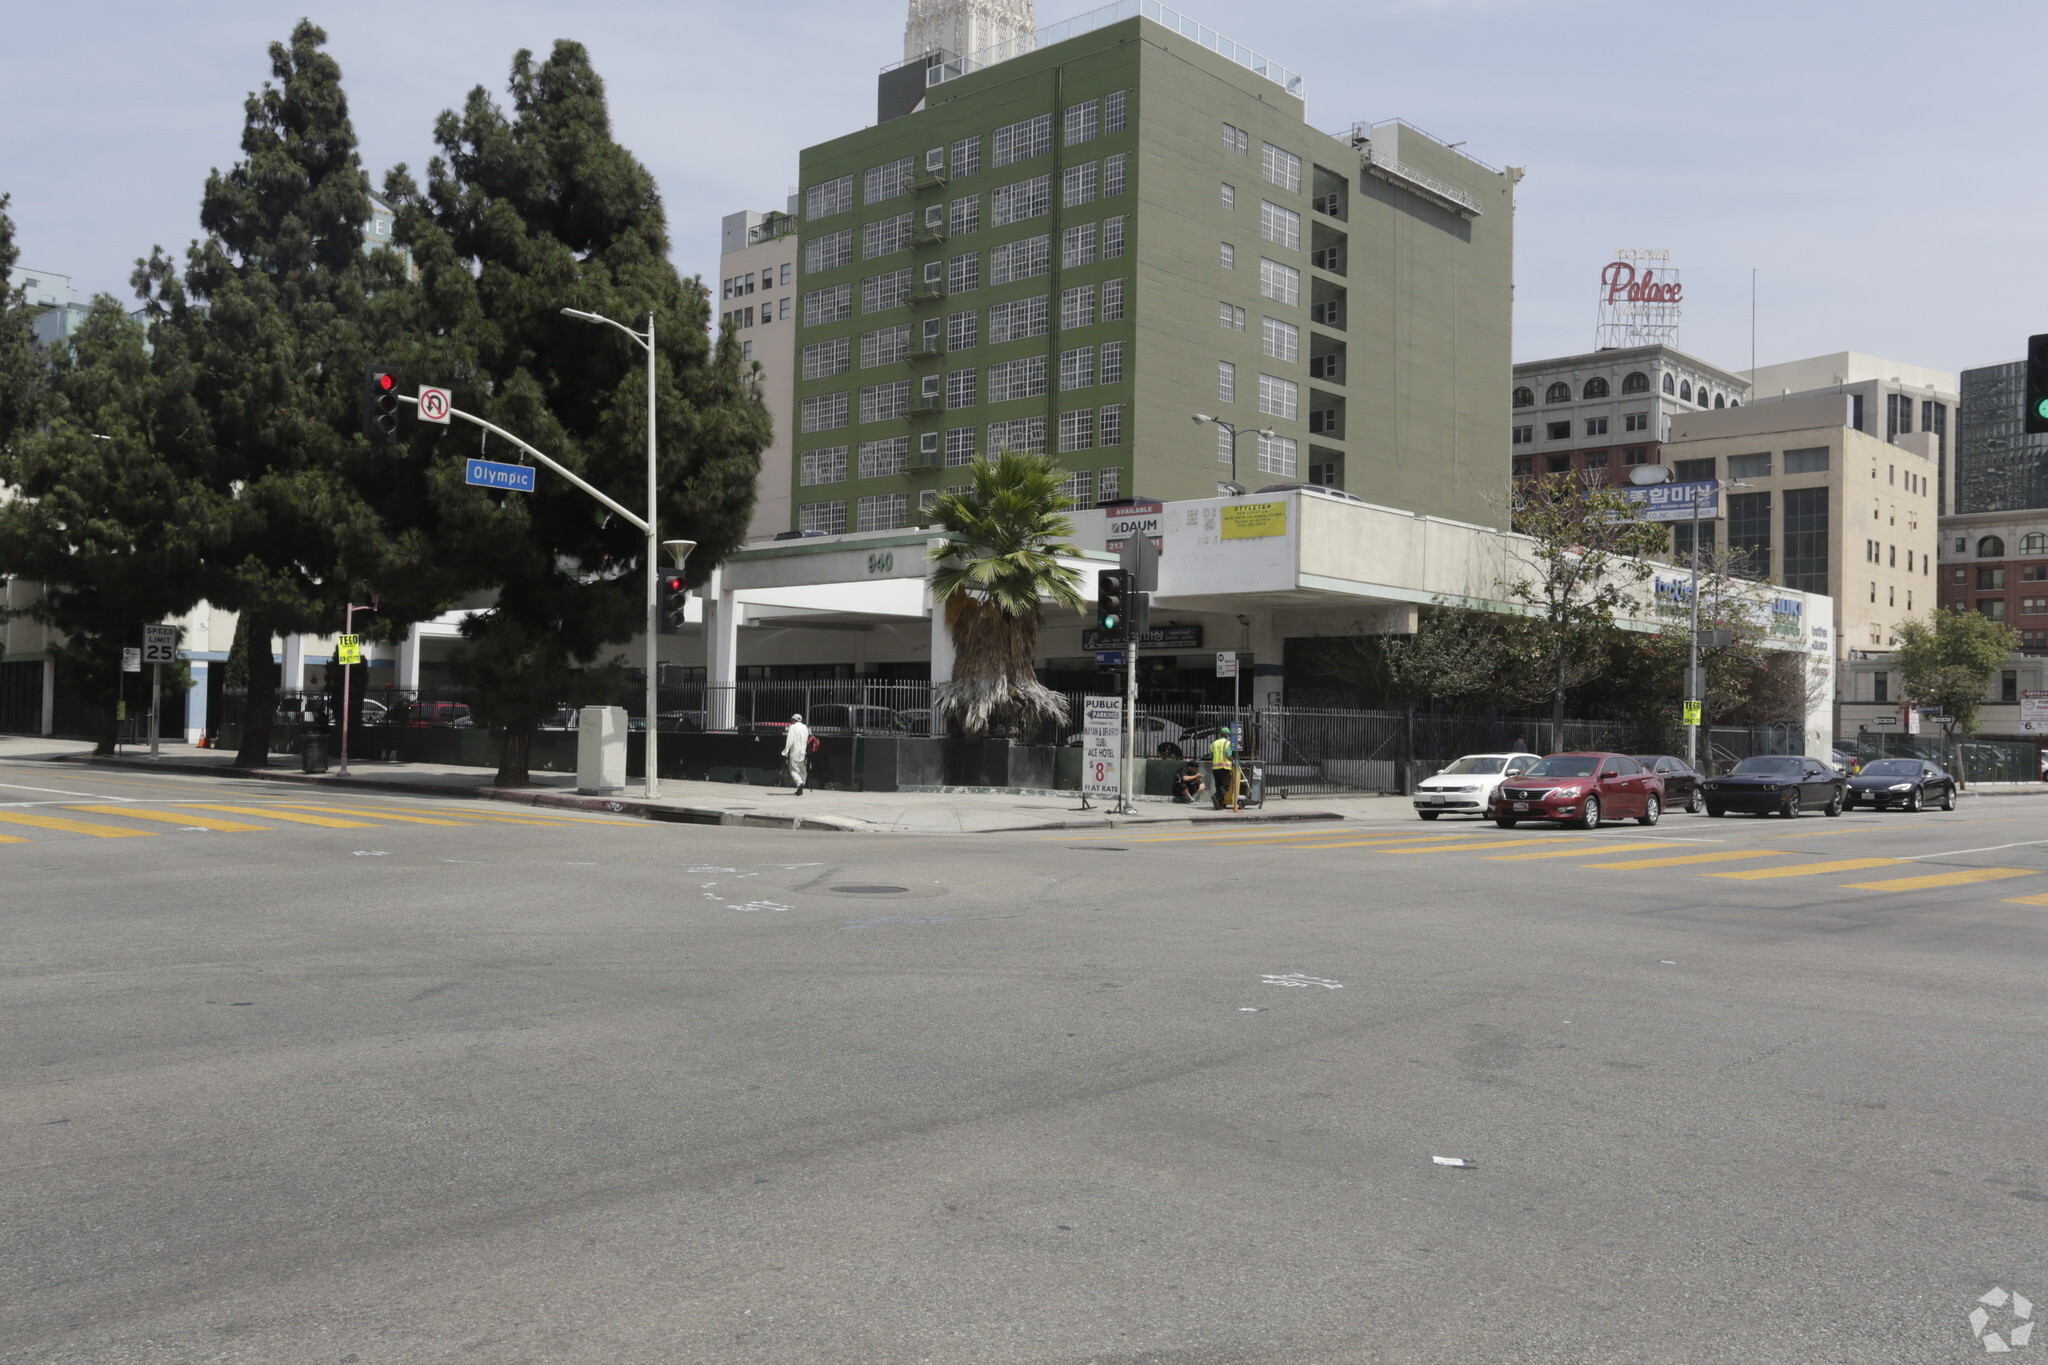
(1248, 521)
(122, 713)
(348, 649)
(1692, 713)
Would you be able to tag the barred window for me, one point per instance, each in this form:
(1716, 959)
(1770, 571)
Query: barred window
(959, 447)
(826, 517)
(1282, 168)
(1231, 317)
(1112, 300)
(927, 499)
(888, 456)
(1017, 320)
(1236, 139)
(1112, 362)
(1113, 111)
(1278, 225)
(829, 252)
(884, 512)
(1078, 185)
(834, 196)
(1110, 432)
(1024, 259)
(1082, 121)
(1112, 237)
(823, 359)
(962, 330)
(888, 180)
(1021, 141)
(824, 412)
(822, 466)
(1077, 307)
(885, 236)
(880, 402)
(960, 386)
(1113, 174)
(1077, 368)
(966, 156)
(1279, 397)
(963, 273)
(1077, 488)
(1024, 199)
(828, 305)
(1077, 246)
(1024, 436)
(965, 216)
(1226, 382)
(1229, 196)
(1013, 379)
(1282, 340)
(1277, 456)
(885, 291)
(884, 346)
(1281, 283)
(1226, 447)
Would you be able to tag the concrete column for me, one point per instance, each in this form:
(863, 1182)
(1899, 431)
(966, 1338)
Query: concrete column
(721, 654)
(195, 703)
(1266, 640)
(409, 659)
(942, 639)
(49, 721)
(294, 679)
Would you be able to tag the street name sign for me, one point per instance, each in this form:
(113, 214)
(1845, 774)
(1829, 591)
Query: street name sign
(159, 644)
(1101, 745)
(515, 478)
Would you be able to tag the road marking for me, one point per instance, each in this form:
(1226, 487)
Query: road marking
(51, 791)
(268, 813)
(1583, 851)
(2028, 900)
(1830, 833)
(1958, 852)
(1723, 856)
(1438, 846)
(379, 814)
(1757, 874)
(11, 839)
(73, 826)
(174, 818)
(1962, 877)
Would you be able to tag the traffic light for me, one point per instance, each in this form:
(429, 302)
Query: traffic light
(1139, 616)
(1112, 606)
(675, 603)
(2036, 414)
(380, 404)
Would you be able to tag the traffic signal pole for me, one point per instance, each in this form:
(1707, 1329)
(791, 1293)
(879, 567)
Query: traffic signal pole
(1123, 798)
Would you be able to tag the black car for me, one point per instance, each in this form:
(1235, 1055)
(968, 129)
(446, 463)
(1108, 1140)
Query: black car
(1681, 783)
(1781, 784)
(1908, 783)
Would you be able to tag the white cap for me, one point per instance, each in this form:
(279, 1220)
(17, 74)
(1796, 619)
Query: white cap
(798, 716)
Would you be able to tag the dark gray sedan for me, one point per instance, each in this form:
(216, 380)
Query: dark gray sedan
(1777, 784)
(1907, 783)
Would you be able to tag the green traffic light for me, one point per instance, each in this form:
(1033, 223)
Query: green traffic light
(2041, 409)
(1109, 623)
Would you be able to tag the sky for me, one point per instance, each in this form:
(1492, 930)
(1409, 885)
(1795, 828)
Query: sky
(1834, 147)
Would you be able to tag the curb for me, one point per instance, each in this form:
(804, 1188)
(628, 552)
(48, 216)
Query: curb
(1223, 821)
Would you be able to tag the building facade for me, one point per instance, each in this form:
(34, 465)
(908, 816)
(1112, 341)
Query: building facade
(1603, 413)
(757, 301)
(1911, 405)
(1997, 563)
(1999, 467)
(1077, 249)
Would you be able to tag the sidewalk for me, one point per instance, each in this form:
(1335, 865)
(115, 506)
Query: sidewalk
(704, 803)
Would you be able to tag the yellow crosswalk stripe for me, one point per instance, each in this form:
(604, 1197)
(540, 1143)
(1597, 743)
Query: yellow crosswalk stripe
(2028, 900)
(1582, 851)
(11, 839)
(1723, 856)
(1757, 874)
(272, 813)
(1437, 845)
(379, 814)
(73, 826)
(1208, 836)
(172, 818)
(1961, 877)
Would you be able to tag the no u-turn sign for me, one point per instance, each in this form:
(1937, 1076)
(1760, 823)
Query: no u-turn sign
(434, 405)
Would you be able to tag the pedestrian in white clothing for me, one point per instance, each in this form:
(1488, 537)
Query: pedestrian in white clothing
(796, 753)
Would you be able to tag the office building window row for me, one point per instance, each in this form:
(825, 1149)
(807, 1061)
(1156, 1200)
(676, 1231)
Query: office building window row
(1021, 200)
(1009, 380)
(890, 455)
(883, 512)
(1020, 436)
(1021, 141)
(823, 412)
(822, 466)
(828, 252)
(823, 359)
(885, 236)
(884, 346)
(880, 292)
(1017, 320)
(827, 518)
(1024, 259)
(882, 402)
(889, 180)
(828, 305)
(1077, 431)
(833, 196)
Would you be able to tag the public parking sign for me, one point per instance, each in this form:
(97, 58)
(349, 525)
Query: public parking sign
(1101, 745)
(159, 644)
(435, 405)
(2034, 712)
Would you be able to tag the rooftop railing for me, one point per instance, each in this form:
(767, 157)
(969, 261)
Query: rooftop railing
(952, 67)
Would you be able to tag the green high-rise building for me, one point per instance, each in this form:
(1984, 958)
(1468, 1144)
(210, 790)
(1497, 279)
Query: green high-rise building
(1079, 247)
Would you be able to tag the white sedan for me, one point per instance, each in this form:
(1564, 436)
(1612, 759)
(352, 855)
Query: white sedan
(1465, 787)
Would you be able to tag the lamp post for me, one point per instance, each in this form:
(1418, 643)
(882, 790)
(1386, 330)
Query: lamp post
(349, 628)
(650, 558)
(1657, 473)
(1234, 488)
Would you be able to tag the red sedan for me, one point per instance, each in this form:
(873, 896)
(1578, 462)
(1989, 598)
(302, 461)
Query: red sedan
(1580, 789)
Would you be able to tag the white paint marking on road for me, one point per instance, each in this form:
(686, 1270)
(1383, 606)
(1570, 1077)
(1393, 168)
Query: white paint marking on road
(1301, 979)
(1959, 852)
(59, 791)
(371, 853)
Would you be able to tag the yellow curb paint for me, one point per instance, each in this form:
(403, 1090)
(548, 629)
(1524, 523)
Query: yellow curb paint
(174, 818)
(1725, 856)
(1962, 877)
(1758, 874)
(74, 826)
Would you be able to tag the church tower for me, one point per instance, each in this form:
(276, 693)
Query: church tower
(965, 27)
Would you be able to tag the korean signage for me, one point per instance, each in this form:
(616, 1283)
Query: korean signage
(1788, 618)
(1158, 637)
(1253, 520)
(1673, 501)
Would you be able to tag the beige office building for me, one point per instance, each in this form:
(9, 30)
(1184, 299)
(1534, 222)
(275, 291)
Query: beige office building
(757, 301)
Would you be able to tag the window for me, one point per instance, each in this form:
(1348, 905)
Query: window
(1991, 547)
(1703, 395)
(1077, 368)
(884, 512)
(1992, 608)
(1279, 397)
(1110, 432)
(834, 196)
(1112, 238)
(1022, 141)
(1685, 391)
(1812, 460)
(885, 346)
(1693, 471)
(1016, 320)
(1079, 487)
(1083, 121)
(1720, 401)
(1749, 532)
(1596, 459)
(2033, 606)
(823, 412)
(829, 252)
(1280, 226)
(1635, 381)
(1226, 382)
(886, 181)
(1681, 539)
(888, 456)
(1231, 318)
(1278, 282)
(1229, 254)
(1522, 466)
(966, 156)
(1596, 426)
(1881, 687)
(1230, 196)
(1898, 415)
(1077, 246)
(961, 330)
(2034, 639)
(1524, 435)
(960, 447)
(828, 305)
(1112, 362)
(960, 386)
(782, 305)
(823, 359)
(1077, 185)
(1226, 450)
(828, 518)
(885, 236)
(1023, 436)
(1749, 466)
(1236, 139)
(1281, 340)
(1635, 421)
(2009, 685)
(1669, 387)
(1024, 259)
(880, 402)
(1596, 387)
(1112, 300)
(878, 292)
(1806, 539)
(2034, 573)
(1277, 455)
(1113, 174)
(1077, 307)
(822, 466)
(964, 216)
(1635, 455)
(1077, 432)
(1014, 203)
(1013, 379)
(1114, 108)
(963, 273)
(1989, 579)
(1557, 431)
(2034, 543)
(1524, 398)
(1282, 168)
(1558, 393)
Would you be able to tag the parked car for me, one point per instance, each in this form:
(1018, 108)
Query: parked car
(1581, 789)
(1908, 783)
(1681, 782)
(1777, 784)
(431, 713)
(839, 718)
(1465, 787)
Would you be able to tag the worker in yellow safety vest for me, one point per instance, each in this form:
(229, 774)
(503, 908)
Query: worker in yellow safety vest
(1223, 769)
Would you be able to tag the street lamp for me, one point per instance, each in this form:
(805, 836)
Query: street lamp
(646, 342)
(1658, 473)
(1234, 488)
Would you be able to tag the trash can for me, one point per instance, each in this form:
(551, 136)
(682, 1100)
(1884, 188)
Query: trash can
(313, 754)
(1254, 793)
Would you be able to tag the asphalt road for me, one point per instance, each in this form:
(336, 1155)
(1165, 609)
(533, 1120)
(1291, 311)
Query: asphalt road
(591, 1090)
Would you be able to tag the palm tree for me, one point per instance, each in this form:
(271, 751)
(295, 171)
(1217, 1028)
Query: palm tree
(1007, 534)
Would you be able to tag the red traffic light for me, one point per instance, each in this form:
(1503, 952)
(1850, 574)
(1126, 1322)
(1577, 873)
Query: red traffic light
(385, 381)
(674, 583)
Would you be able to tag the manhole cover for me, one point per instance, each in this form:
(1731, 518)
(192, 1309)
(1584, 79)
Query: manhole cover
(872, 890)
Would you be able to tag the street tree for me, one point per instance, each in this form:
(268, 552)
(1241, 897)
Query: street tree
(524, 215)
(1001, 565)
(1748, 680)
(1947, 660)
(21, 365)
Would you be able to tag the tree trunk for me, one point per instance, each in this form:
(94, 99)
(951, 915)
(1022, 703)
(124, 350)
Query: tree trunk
(110, 731)
(264, 675)
(1557, 705)
(512, 758)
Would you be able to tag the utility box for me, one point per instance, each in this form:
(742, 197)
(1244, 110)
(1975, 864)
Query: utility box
(601, 750)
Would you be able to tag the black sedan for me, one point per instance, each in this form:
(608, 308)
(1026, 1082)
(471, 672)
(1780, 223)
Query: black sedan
(1781, 784)
(1681, 783)
(1908, 783)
